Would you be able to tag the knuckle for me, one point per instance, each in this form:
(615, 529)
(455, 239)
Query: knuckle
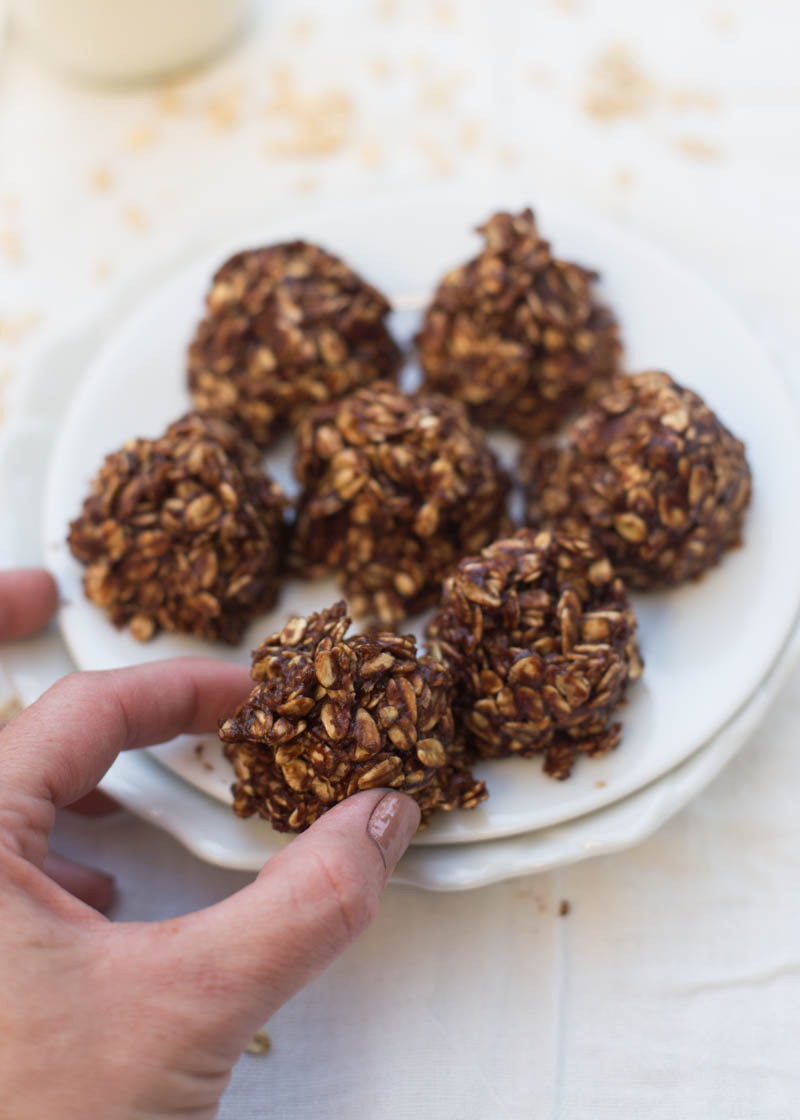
(349, 893)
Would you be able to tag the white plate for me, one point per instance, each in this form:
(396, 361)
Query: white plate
(700, 670)
(203, 825)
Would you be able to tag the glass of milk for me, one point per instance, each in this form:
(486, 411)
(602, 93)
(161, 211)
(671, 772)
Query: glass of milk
(128, 40)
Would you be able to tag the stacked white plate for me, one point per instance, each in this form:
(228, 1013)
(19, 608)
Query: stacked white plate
(715, 651)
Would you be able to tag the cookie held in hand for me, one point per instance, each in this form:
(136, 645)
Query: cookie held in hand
(330, 715)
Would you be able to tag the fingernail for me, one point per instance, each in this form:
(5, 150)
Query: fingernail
(392, 823)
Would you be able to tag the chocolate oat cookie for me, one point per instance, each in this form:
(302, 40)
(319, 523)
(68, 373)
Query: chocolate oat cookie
(331, 715)
(184, 532)
(287, 327)
(652, 474)
(396, 490)
(516, 334)
(541, 640)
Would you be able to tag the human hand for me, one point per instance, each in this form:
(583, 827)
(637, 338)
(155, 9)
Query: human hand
(138, 1020)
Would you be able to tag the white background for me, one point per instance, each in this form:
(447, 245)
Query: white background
(672, 988)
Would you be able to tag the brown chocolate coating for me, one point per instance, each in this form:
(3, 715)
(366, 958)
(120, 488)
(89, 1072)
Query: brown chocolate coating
(287, 327)
(331, 715)
(652, 474)
(516, 334)
(184, 533)
(541, 640)
(396, 490)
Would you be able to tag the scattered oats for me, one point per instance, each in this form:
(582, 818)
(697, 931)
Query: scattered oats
(13, 328)
(10, 203)
(282, 94)
(102, 270)
(600, 784)
(540, 76)
(695, 147)
(224, 109)
(568, 5)
(380, 67)
(11, 246)
(683, 99)
(301, 30)
(169, 101)
(439, 93)
(722, 20)
(101, 180)
(439, 162)
(507, 155)
(314, 124)
(371, 154)
(564, 908)
(444, 14)
(135, 218)
(469, 134)
(259, 1044)
(142, 136)
(623, 178)
(386, 9)
(307, 185)
(617, 86)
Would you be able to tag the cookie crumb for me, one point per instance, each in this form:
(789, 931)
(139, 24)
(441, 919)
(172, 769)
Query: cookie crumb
(695, 147)
(469, 134)
(380, 68)
(169, 101)
(564, 908)
(135, 218)
(11, 246)
(722, 20)
(101, 180)
(444, 14)
(142, 136)
(259, 1044)
(9, 708)
(302, 29)
(223, 110)
(386, 9)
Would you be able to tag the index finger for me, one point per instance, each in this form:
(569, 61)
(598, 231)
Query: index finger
(60, 747)
(28, 600)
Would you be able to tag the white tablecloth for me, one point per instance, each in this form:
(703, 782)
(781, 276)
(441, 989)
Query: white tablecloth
(672, 987)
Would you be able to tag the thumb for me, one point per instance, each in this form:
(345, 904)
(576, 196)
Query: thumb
(245, 956)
